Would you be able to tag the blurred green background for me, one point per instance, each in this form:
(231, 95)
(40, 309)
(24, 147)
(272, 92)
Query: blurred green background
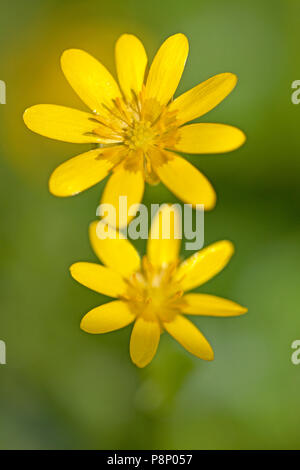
(64, 389)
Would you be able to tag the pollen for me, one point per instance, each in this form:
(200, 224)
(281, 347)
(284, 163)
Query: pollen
(139, 136)
(152, 292)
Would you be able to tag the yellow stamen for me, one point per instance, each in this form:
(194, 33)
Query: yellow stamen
(152, 292)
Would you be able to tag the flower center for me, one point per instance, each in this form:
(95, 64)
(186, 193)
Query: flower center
(153, 294)
(139, 126)
(139, 136)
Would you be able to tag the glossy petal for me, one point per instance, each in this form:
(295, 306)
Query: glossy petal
(166, 69)
(99, 278)
(107, 317)
(82, 172)
(183, 179)
(210, 305)
(203, 97)
(116, 252)
(163, 246)
(209, 138)
(188, 335)
(131, 61)
(61, 123)
(123, 182)
(144, 341)
(204, 264)
(89, 79)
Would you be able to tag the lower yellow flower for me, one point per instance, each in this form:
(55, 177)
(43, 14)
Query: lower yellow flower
(138, 125)
(151, 291)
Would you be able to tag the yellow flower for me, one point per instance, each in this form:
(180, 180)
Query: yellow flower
(151, 292)
(138, 126)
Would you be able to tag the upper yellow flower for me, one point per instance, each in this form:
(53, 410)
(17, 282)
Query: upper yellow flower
(138, 126)
(152, 292)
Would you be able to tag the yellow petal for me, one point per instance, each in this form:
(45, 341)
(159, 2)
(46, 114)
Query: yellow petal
(144, 341)
(89, 79)
(204, 264)
(107, 317)
(123, 182)
(188, 335)
(183, 179)
(61, 123)
(131, 61)
(82, 172)
(210, 305)
(99, 278)
(203, 97)
(116, 252)
(166, 69)
(209, 138)
(167, 222)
